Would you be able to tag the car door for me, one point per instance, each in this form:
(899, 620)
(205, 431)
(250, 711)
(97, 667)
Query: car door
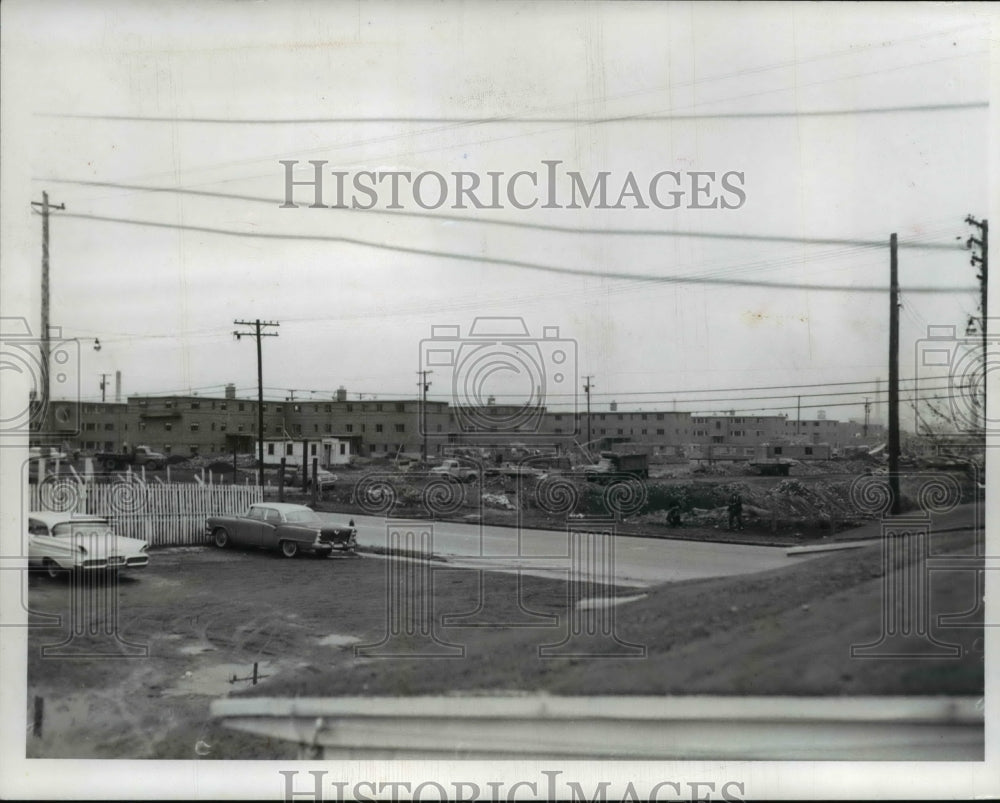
(269, 528)
(251, 527)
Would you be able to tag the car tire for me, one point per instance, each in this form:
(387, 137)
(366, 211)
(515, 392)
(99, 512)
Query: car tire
(289, 549)
(220, 538)
(52, 569)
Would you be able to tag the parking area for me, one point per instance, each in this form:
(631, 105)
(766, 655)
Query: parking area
(130, 671)
(194, 619)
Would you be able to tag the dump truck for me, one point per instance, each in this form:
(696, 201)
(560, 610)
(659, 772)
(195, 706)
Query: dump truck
(616, 464)
(455, 471)
(139, 456)
(774, 466)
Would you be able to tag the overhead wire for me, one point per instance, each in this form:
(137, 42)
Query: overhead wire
(537, 266)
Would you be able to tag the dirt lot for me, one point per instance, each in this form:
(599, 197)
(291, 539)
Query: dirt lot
(207, 615)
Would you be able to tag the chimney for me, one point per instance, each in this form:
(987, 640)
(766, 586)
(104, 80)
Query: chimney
(230, 391)
(118, 387)
(614, 406)
(341, 394)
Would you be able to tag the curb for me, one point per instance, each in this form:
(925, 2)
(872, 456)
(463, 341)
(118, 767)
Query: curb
(629, 534)
(819, 548)
(411, 554)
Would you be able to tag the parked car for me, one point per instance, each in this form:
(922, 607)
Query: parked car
(48, 452)
(455, 471)
(279, 525)
(324, 479)
(59, 542)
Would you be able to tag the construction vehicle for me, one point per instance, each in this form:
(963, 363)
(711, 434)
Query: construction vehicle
(454, 470)
(773, 466)
(616, 464)
(139, 456)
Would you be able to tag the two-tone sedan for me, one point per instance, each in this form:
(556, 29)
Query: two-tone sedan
(278, 525)
(60, 542)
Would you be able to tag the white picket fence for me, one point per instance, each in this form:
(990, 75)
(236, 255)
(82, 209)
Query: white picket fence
(163, 514)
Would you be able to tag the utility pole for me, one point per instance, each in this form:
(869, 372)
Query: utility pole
(424, 387)
(894, 374)
(982, 259)
(868, 408)
(104, 378)
(586, 389)
(257, 325)
(798, 413)
(46, 207)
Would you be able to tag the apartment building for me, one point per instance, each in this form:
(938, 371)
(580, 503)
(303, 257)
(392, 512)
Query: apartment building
(103, 427)
(737, 430)
(201, 425)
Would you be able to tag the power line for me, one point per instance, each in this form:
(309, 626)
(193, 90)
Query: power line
(672, 87)
(446, 217)
(818, 406)
(516, 263)
(668, 394)
(509, 120)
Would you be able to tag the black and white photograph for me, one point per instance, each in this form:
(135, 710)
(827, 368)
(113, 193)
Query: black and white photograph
(498, 400)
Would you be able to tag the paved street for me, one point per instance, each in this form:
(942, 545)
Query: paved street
(636, 561)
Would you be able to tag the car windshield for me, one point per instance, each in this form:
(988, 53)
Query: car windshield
(82, 528)
(302, 517)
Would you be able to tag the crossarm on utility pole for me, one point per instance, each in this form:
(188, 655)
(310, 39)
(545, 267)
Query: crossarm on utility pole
(258, 325)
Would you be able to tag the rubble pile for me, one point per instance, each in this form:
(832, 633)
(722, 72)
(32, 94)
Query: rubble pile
(498, 501)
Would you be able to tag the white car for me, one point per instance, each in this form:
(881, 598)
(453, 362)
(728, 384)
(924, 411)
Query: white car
(60, 542)
(324, 478)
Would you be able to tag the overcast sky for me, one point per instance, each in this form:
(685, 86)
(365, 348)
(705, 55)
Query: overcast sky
(216, 95)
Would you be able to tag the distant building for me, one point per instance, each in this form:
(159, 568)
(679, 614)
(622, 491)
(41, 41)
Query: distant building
(200, 425)
(327, 451)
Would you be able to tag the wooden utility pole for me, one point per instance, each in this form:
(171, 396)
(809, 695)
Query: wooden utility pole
(257, 325)
(983, 243)
(586, 389)
(305, 466)
(104, 384)
(424, 387)
(46, 207)
(894, 374)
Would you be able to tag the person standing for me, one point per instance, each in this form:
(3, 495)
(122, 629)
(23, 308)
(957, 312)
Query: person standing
(736, 510)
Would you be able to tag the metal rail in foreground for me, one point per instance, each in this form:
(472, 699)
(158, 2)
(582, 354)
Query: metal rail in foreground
(642, 728)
